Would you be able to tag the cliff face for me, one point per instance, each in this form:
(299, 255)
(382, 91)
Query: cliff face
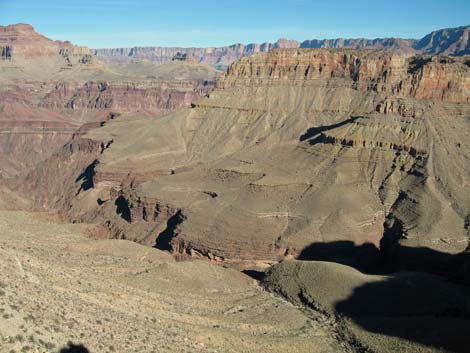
(147, 97)
(22, 40)
(212, 56)
(453, 41)
(38, 120)
(405, 46)
(293, 148)
(438, 78)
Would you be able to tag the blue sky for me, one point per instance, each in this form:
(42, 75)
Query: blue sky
(124, 23)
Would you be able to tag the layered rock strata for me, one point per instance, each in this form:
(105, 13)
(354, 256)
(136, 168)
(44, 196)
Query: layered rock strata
(450, 41)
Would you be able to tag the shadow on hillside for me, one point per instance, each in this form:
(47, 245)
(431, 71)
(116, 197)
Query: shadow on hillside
(163, 241)
(430, 305)
(74, 348)
(315, 131)
(255, 274)
(368, 259)
(420, 308)
(365, 258)
(87, 176)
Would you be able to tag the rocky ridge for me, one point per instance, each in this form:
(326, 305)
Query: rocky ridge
(451, 41)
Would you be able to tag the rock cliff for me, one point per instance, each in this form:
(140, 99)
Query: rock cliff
(453, 41)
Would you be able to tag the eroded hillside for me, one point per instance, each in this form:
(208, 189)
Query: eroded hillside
(293, 148)
(294, 158)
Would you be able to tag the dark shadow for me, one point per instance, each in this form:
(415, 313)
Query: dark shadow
(212, 194)
(417, 63)
(316, 131)
(163, 241)
(424, 298)
(122, 208)
(257, 275)
(366, 258)
(87, 176)
(391, 258)
(74, 348)
(418, 307)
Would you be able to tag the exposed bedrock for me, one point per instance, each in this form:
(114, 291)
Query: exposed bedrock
(293, 148)
(152, 97)
(436, 78)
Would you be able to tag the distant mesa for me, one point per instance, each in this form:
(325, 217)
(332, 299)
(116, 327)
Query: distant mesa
(23, 42)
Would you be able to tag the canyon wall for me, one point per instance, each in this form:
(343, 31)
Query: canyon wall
(451, 41)
(294, 148)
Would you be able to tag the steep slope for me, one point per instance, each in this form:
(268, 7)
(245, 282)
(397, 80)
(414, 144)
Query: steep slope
(293, 148)
(450, 41)
(405, 46)
(21, 40)
(453, 41)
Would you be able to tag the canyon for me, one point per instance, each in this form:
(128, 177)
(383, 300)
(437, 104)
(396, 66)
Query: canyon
(335, 173)
(52, 90)
(365, 123)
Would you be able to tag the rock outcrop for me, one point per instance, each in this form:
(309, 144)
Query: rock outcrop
(222, 56)
(150, 97)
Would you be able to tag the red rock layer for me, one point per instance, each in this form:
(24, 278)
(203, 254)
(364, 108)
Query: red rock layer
(438, 78)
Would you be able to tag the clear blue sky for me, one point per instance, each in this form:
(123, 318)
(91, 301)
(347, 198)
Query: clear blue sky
(117, 23)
